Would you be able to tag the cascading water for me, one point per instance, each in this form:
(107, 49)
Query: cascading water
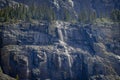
(28, 71)
(62, 36)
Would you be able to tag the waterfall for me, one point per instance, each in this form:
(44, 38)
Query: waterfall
(60, 34)
(69, 60)
(36, 38)
(65, 32)
(28, 71)
(59, 59)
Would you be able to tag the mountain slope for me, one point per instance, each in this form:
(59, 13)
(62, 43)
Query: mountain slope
(60, 39)
(99, 6)
(61, 51)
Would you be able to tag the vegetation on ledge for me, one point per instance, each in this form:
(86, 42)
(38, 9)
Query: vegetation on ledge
(22, 12)
(43, 12)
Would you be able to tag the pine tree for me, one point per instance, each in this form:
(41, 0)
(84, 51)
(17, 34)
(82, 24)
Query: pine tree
(115, 15)
(66, 15)
(92, 16)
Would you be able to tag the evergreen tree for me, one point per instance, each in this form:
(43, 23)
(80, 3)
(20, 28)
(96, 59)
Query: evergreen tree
(92, 16)
(115, 15)
(21, 12)
(66, 15)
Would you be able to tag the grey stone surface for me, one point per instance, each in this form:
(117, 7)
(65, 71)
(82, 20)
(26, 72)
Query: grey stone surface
(72, 52)
(5, 77)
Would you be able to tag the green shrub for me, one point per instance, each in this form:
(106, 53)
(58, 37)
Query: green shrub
(17, 77)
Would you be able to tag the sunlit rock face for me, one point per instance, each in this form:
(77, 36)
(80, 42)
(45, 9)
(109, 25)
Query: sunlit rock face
(60, 51)
(5, 77)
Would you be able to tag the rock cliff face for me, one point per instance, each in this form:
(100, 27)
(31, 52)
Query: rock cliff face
(5, 77)
(60, 51)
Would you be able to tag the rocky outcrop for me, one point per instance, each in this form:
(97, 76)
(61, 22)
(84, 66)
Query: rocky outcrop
(5, 77)
(60, 51)
(6, 3)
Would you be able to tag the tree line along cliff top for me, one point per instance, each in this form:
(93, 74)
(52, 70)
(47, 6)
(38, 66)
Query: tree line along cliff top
(48, 13)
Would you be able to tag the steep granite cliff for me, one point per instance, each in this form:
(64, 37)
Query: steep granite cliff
(60, 39)
(60, 51)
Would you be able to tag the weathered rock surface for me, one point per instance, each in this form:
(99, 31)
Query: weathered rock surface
(5, 77)
(60, 51)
